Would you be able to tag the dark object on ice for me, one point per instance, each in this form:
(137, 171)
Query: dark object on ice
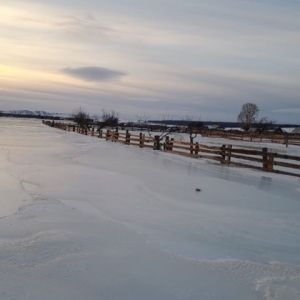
(198, 190)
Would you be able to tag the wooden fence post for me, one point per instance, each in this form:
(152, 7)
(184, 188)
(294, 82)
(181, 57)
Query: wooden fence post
(113, 136)
(228, 154)
(141, 140)
(171, 144)
(223, 154)
(127, 141)
(156, 145)
(197, 148)
(100, 133)
(191, 149)
(107, 134)
(166, 144)
(265, 158)
(286, 140)
(93, 131)
(117, 134)
(270, 162)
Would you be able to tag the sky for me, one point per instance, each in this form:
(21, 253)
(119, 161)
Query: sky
(164, 59)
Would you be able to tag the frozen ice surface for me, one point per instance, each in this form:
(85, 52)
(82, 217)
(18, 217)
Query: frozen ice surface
(82, 218)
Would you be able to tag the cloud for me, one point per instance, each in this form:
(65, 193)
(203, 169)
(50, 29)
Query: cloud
(205, 57)
(85, 27)
(287, 110)
(93, 74)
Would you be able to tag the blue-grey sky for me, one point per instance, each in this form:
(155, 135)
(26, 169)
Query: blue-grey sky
(201, 59)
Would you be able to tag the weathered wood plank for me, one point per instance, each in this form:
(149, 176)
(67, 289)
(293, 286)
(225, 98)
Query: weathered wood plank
(287, 165)
(285, 156)
(194, 144)
(260, 160)
(244, 151)
(200, 149)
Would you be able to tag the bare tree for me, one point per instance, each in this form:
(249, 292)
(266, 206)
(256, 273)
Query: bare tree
(194, 127)
(81, 117)
(109, 118)
(248, 115)
(143, 120)
(160, 129)
(265, 124)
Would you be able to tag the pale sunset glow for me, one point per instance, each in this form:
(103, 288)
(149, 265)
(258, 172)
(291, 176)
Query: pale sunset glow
(202, 58)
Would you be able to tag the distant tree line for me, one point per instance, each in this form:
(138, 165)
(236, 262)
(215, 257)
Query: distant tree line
(248, 116)
(83, 119)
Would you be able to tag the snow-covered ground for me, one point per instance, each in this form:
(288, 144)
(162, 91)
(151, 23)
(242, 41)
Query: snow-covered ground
(82, 218)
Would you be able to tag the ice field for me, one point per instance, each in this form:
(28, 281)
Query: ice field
(83, 218)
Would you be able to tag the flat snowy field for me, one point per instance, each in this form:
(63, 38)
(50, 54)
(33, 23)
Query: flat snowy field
(82, 218)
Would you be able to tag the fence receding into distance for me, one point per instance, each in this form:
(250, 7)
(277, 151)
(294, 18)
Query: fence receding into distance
(263, 159)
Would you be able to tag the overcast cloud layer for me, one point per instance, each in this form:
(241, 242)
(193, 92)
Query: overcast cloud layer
(181, 58)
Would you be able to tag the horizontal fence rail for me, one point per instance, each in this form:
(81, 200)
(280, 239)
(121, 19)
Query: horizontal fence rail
(282, 138)
(263, 160)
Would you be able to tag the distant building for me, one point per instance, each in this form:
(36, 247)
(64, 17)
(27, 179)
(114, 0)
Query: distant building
(276, 130)
(217, 127)
(253, 130)
(296, 130)
(280, 130)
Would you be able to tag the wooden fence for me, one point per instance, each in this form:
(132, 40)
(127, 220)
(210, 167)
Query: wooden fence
(264, 159)
(279, 138)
